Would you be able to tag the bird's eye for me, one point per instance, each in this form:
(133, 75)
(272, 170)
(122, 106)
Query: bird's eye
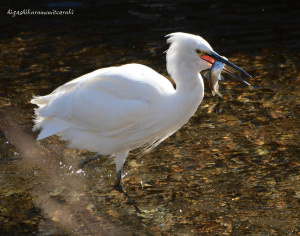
(198, 51)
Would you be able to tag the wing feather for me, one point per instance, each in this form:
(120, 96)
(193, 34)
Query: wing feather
(107, 101)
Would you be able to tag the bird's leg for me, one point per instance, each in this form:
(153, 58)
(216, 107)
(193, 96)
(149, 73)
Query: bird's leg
(118, 185)
(119, 188)
(84, 162)
(120, 159)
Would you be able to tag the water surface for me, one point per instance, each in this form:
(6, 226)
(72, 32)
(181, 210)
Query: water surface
(232, 170)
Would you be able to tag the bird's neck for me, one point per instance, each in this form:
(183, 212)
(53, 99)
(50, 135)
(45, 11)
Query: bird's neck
(187, 78)
(188, 81)
(188, 96)
(189, 90)
(184, 70)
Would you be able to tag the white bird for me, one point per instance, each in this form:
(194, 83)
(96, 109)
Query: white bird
(114, 110)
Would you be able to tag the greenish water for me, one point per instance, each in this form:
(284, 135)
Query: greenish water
(232, 170)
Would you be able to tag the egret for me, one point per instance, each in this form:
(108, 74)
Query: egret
(114, 110)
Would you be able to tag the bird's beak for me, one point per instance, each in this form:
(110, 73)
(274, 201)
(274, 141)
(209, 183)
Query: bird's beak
(212, 56)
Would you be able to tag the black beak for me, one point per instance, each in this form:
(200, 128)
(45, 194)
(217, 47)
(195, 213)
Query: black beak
(217, 57)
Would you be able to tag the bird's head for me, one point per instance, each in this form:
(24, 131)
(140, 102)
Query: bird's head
(196, 51)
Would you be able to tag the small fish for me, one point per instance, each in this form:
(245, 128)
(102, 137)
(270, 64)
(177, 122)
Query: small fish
(214, 75)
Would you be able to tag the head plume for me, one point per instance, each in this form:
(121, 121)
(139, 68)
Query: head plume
(181, 53)
(184, 40)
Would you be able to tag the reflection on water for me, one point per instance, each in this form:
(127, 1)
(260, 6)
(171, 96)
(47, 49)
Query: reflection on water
(233, 169)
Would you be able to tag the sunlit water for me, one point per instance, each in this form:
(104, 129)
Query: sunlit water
(232, 170)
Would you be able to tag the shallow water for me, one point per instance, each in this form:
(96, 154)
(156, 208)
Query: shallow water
(232, 170)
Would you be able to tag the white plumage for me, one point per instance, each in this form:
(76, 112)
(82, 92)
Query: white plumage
(114, 110)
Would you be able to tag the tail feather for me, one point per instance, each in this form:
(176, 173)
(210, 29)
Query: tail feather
(41, 101)
(49, 127)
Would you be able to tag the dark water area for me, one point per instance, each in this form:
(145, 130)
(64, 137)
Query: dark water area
(234, 169)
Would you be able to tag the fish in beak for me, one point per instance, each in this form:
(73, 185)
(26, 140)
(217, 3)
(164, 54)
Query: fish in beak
(213, 76)
(211, 57)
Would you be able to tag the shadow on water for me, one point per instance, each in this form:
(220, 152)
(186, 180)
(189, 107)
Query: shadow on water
(232, 170)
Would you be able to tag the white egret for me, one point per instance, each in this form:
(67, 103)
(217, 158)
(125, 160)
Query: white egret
(114, 110)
